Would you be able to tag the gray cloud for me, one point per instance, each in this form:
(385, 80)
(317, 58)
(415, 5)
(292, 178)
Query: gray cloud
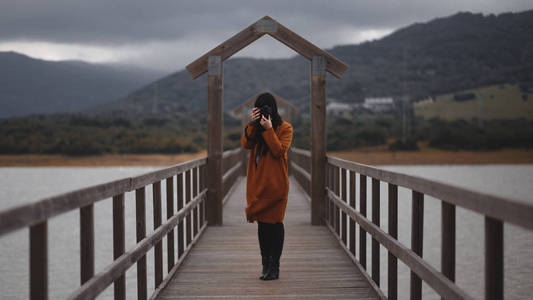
(155, 27)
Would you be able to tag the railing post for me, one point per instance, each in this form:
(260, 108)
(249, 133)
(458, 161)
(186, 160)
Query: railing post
(39, 261)
(362, 232)
(158, 249)
(181, 232)
(214, 140)
(375, 220)
(448, 240)
(187, 200)
(140, 215)
(343, 215)
(119, 243)
(202, 186)
(393, 232)
(352, 204)
(417, 239)
(194, 193)
(331, 211)
(86, 243)
(335, 207)
(493, 259)
(318, 138)
(170, 213)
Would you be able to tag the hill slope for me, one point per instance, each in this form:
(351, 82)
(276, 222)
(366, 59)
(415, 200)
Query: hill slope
(444, 55)
(29, 85)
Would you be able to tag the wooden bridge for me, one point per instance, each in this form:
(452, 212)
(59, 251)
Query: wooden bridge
(318, 262)
(213, 253)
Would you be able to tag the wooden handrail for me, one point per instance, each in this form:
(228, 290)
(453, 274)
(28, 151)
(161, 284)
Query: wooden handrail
(505, 209)
(230, 158)
(231, 152)
(29, 214)
(434, 278)
(495, 209)
(301, 170)
(230, 173)
(99, 282)
(36, 215)
(301, 151)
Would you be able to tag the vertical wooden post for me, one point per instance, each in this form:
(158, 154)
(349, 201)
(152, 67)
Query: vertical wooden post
(204, 202)
(393, 232)
(493, 259)
(86, 243)
(318, 138)
(202, 185)
(188, 223)
(119, 243)
(158, 250)
(375, 220)
(417, 240)
(214, 140)
(39, 261)
(335, 207)
(140, 216)
(330, 203)
(448, 240)
(352, 204)
(362, 208)
(170, 213)
(181, 232)
(344, 236)
(194, 194)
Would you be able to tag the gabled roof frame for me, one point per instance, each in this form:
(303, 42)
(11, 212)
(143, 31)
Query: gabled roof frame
(266, 25)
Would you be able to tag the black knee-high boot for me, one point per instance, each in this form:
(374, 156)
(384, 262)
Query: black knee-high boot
(263, 235)
(277, 243)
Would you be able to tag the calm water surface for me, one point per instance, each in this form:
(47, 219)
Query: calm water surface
(24, 185)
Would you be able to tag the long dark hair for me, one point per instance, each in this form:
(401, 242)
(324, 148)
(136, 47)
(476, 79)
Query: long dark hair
(267, 99)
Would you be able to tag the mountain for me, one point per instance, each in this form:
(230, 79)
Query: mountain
(29, 86)
(458, 52)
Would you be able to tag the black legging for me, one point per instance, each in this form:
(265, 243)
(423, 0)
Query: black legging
(271, 238)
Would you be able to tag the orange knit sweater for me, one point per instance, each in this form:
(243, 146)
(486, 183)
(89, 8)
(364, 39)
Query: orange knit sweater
(267, 184)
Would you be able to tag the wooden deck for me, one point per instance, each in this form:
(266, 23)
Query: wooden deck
(226, 261)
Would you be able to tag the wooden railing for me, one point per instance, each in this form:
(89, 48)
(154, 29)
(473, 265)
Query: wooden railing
(188, 178)
(231, 167)
(300, 168)
(340, 215)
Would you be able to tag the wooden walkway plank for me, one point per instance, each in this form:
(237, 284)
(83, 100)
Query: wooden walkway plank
(226, 261)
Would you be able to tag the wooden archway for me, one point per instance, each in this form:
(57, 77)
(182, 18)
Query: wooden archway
(212, 63)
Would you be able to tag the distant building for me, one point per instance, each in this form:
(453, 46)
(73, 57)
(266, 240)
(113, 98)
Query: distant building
(424, 102)
(338, 109)
(379, 105)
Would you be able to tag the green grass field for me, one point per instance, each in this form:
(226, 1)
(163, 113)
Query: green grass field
(492, 102)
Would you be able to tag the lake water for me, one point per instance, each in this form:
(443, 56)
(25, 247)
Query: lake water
(24, 185)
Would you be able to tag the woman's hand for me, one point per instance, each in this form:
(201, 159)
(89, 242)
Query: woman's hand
(266, 123)
(256, 114)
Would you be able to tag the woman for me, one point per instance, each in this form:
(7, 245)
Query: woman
(267, 181)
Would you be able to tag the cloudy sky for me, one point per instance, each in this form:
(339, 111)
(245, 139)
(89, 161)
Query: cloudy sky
(168, 34)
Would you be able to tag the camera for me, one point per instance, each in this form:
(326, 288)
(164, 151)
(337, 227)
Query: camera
(265, 111)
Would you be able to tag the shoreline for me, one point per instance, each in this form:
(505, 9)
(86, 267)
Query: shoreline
(368, 157)
(437, 157)
(105, 160)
